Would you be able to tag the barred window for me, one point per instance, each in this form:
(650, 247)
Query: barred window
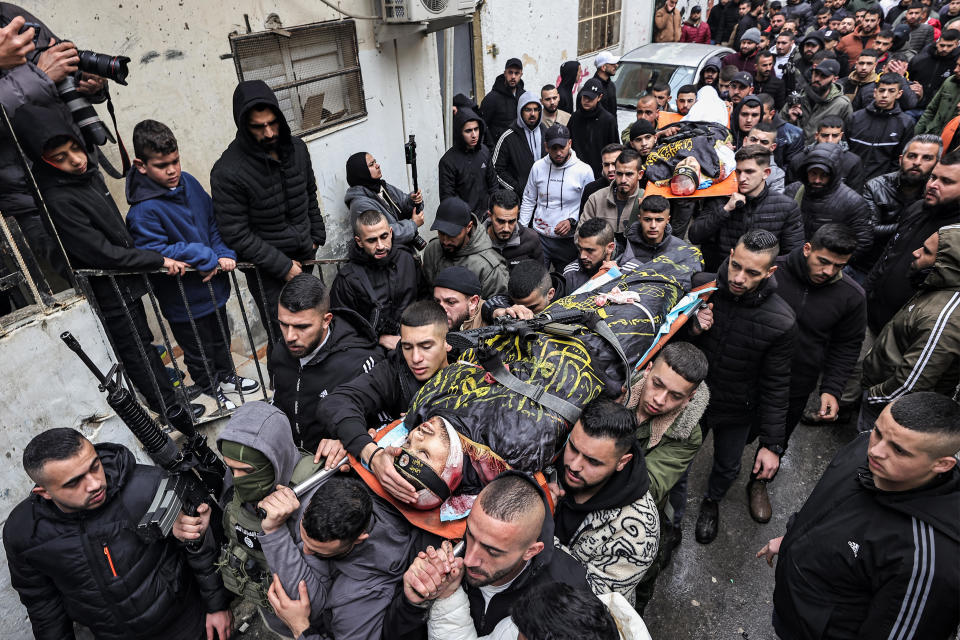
(598, 25)
(315, 72)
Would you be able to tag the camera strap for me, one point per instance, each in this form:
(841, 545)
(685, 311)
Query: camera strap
(124, 156)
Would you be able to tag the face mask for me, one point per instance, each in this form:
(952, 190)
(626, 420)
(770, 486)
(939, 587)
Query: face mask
(259, 483)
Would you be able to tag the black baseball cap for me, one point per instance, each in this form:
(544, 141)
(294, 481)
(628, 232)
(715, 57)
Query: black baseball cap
(453, 215)
(592, 88)
(557, 134)
(742, 78)
(513, 63)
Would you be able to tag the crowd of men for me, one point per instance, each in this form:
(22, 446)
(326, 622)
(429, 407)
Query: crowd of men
(836, 263)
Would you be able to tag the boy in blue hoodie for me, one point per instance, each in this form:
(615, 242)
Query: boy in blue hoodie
(171, 214)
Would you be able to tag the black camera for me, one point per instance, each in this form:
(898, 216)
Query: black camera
(794, 98)
(109, 67)
(95, 133)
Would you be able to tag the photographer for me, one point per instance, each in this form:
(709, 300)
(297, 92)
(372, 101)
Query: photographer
(29, 75)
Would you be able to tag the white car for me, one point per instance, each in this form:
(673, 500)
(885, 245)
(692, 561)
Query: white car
(676, 63)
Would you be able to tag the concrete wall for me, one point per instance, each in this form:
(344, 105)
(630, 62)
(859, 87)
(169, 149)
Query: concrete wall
(45, 385)
(544, 36)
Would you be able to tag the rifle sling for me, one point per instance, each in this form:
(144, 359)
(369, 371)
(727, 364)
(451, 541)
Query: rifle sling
(568, 411)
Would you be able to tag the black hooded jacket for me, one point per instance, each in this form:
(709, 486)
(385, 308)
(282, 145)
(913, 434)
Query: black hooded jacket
(467, 173)
(591, 131)
(831, 323)
(351, 349)
(378, 290)
(550, 565)
(888, 284)
(59, 564)
(717, 231)
(512, 159)
(858, 562)
(850, 167)
(835, 202)
(609, 99)
(84, 213)
(266, 209)
(569, 72)
(930, 70)
(749, 349)
(499, 108)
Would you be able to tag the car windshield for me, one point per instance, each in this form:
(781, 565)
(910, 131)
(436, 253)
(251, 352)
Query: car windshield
(634, 79)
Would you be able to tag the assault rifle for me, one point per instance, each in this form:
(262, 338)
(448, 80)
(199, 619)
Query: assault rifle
(196, 473)
(565, 322)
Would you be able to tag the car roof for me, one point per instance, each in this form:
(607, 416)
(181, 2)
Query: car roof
(686, 54)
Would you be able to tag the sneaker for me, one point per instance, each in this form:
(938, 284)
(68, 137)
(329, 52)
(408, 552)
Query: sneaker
(233, 382)
(224, 402)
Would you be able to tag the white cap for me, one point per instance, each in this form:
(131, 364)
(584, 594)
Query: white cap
(605, 57)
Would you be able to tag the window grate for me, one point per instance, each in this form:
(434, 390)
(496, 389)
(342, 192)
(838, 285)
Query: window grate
(598, 25)
(315, 72)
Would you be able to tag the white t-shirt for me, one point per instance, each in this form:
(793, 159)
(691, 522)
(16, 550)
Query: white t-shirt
(489, 591)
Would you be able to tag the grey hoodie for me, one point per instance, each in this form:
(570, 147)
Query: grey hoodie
(533, 136)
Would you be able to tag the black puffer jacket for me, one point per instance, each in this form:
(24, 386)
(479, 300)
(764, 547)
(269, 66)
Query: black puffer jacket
(831, 323)
(550, 565)
(499, 108)
(749, 349)
(717, 231)
(266, 209)
(878, 137)
(835, 202)
(85, 215)
(723, 18)
(886, 202)
(930, 70)
(591, 132)
(351, 349)
(378, 396)
(378, 290)
(59, 564)
(466, 173)
(888, 284)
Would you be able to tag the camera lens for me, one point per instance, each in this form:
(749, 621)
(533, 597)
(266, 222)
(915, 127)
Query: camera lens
(110, 67)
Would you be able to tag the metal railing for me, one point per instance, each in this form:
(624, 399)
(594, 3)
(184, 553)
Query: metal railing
(254, 346)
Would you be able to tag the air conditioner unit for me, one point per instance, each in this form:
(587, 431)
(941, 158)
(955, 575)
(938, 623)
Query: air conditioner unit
(400, 11)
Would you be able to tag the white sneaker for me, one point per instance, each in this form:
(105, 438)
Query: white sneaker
(234, 382)
(219, 397)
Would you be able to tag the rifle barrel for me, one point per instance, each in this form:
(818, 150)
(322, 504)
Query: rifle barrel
(74, 346)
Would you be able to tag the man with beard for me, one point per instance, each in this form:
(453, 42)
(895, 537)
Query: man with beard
(783, 48)
(802, 61)
(831, 320)
(888, 196)
(509, 550)
(919, 349)
(591, 126)
(921, 33)
(265, 199)
(514, 242)
(888, 284)
(694, 29)
(606, 64)
(551, 199)
(618, 204)
(460, 242)
(765, 81)
(379, 279)
(687, 95)
(648, 108)
(667, 22)
(747, 333)
(741, 85)
(552, 113)
(943, 107)
(754, 205)
(652, 236)
(821, 98)
(520, 146)
(934, 64)
(863, 36)
(457, 291)
(824, 197)
(878, 133)
(322, 348)
(605, 516)
(596, 248)
(499, 107)
(745, 59)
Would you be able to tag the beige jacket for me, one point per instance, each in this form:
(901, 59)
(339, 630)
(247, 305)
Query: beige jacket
(667, 25)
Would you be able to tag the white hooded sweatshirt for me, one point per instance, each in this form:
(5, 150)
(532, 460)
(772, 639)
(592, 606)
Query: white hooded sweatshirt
(553, 193)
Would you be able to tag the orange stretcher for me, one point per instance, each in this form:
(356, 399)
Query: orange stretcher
(725, 187)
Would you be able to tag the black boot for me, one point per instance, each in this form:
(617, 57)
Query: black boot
(708, 521)
(673, 535)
